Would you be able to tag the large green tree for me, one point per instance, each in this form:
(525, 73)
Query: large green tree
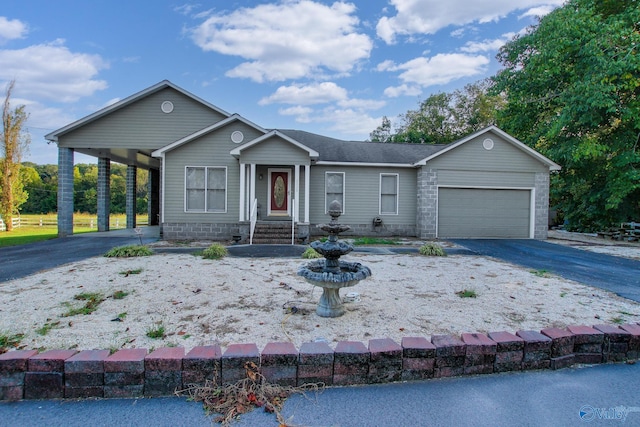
(572, 84)
(444, 117)
(14, 142)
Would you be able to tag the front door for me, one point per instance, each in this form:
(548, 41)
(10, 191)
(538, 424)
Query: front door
(279, 192)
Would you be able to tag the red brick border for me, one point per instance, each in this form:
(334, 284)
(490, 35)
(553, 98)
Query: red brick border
(27, 374)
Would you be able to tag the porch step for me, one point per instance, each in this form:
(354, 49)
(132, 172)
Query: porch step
(272, 233)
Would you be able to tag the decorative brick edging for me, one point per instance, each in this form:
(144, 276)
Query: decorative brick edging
(54, 374)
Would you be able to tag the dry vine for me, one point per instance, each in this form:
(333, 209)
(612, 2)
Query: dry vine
(232, 400)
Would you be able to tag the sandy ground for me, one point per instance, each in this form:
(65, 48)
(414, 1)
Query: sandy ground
(241, 300)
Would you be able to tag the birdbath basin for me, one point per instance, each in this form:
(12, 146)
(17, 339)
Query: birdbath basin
(330, 273)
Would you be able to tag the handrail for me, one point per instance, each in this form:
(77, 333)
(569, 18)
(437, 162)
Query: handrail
(293, 221)
(253, 217)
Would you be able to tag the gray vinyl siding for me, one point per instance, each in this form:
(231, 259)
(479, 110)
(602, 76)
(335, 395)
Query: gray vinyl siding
(464, 178)
(471, 156)
(142, 125)
(209, 150)
(275, 151)
(483, 213)
(362, 195)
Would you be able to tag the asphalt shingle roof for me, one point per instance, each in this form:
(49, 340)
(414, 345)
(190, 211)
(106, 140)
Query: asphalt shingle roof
(336, 150)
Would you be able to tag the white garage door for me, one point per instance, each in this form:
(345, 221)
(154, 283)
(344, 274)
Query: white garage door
(483, 213)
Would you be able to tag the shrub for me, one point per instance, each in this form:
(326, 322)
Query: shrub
(467, 293)
(156, 332)
(310, 253)
(215, 251)
(8, 341)
(129, 251)
(432, 249)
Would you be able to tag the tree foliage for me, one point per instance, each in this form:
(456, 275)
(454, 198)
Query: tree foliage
(573, 92)
(444, 117)
(15, 142)
(41, 182)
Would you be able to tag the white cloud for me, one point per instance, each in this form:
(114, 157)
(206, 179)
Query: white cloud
(402, 90)
(362, 104)
(429, 16)
(538, 11)
(487, 45)
(52, 71)
(11, 29)
(306, 95)
(348, 121)
(438, 70)
(286, 40)
(302, 114)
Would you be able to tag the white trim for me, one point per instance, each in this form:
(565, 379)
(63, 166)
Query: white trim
(362, 164)
(201, 132)
(238, 150)
(307, 178)
(269, 189)
(252, 184)
(344, 188)
(296, 194)
(206, 198)
(551, 164)
(162, 196)
(397, 194)
(53, 136)
(483, 187)
(243, 195)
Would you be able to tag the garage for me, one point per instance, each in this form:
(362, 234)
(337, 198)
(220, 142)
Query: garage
(484, 213)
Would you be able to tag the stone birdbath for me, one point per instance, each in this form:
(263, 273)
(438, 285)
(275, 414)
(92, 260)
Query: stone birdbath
(330, 273)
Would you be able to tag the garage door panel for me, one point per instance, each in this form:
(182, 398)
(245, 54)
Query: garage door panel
(489, 213)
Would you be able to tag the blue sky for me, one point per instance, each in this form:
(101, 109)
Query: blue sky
(333, 68)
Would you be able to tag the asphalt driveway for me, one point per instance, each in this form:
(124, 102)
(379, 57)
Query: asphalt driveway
(23, 260)
(615, 274)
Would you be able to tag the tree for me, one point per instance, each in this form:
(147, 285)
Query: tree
(15, 142)
(444, 117)
(572, 85)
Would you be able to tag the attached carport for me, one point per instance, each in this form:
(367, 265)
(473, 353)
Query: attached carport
(484, 213)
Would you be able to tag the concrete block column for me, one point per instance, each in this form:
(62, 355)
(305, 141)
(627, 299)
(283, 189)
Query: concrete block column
(104, 193)
(542, 206)
(154, 197)
(131, 196)
(65, 192)
(426, 215)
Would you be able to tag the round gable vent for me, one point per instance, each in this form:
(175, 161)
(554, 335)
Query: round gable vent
(487, 144)
(237, 137)
(166, 107)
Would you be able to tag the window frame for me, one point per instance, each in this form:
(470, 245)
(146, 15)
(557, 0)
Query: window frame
(205, 190)
(397, 194)
(326, 180)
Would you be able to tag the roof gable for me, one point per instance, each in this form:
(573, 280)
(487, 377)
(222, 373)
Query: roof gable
(508, 138)
(236, 152)
(53, 136)
(205, 131)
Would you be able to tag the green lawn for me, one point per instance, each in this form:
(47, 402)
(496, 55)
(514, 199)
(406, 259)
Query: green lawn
(34, 233)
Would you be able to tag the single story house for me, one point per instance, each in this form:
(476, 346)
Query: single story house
(211, 173)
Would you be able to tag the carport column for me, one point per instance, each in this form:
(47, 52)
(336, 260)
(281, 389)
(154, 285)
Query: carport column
(65, 192)
(131, 196)
(541, 220)
(153, 191)
(307, 196)
(426, 216)
(104, 193)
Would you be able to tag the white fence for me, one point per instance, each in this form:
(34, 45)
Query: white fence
(81, 222)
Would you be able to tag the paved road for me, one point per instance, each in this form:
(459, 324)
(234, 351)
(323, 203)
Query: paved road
(23, 260)
(577, 396)
(615, 274)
